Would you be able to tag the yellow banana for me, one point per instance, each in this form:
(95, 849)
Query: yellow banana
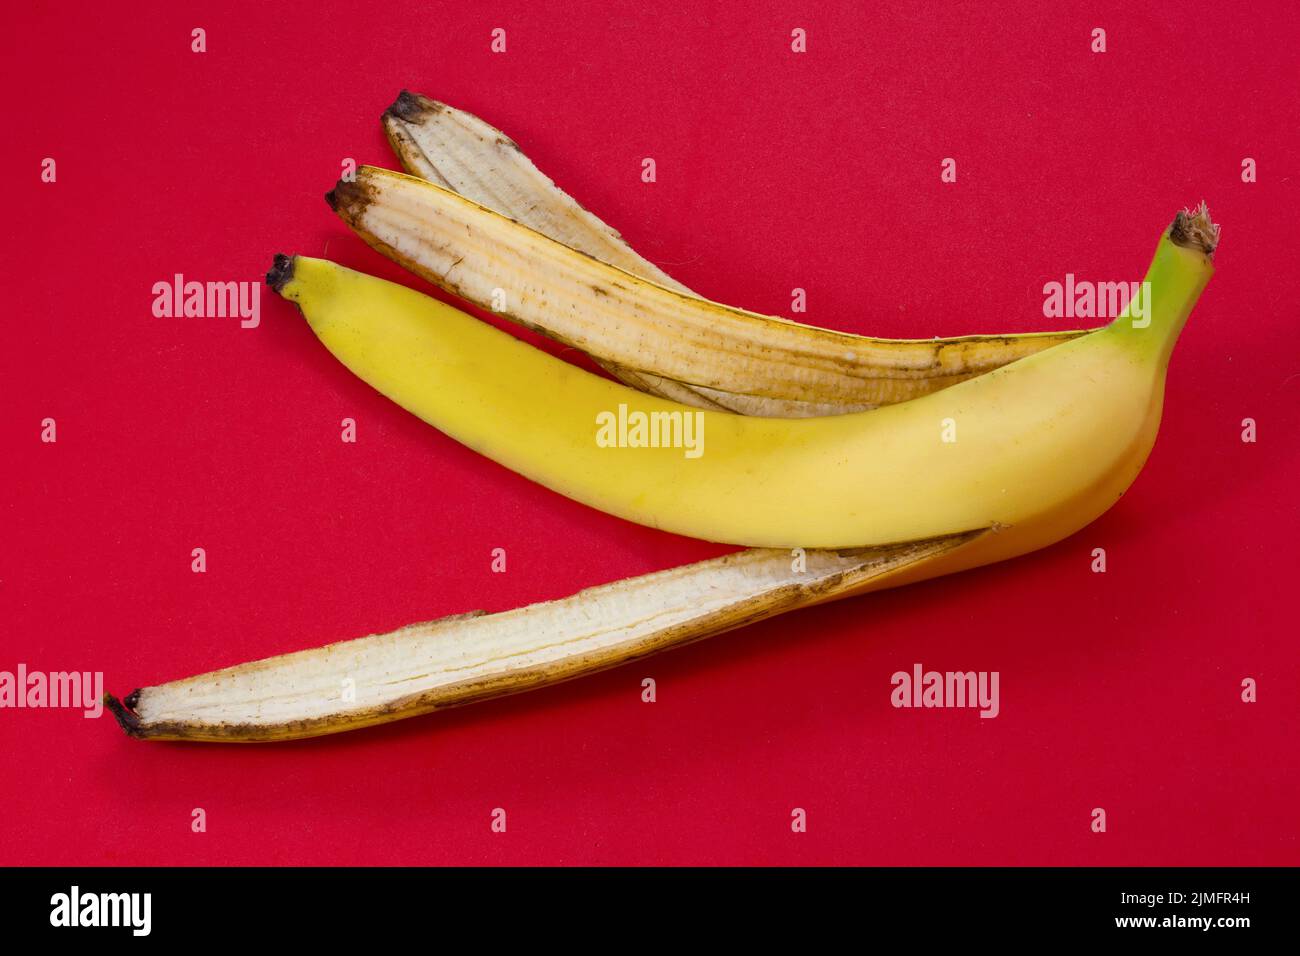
(1033, 450)
(646, 328)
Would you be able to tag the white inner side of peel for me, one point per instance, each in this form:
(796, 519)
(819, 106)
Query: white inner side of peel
(422, 657)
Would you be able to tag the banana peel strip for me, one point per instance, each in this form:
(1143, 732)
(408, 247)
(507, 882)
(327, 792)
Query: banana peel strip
(470, 657)
(459, 152)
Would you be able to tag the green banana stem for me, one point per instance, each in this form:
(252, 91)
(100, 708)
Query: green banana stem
(1183, 264)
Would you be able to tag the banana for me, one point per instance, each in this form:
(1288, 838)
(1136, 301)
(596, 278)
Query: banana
(475, 656)
(459, 152)
(1035, 449)
(1038, 448)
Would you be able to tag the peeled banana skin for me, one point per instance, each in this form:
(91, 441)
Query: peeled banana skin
(461, 153)
(471, 657)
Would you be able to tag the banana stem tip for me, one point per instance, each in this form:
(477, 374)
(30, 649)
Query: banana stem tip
(1195, 230)
(281, 272)
(126, 719)
(412, 107)
(347, 198)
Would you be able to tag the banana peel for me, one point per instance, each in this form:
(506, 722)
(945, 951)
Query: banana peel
(476, 656)
(461, 153)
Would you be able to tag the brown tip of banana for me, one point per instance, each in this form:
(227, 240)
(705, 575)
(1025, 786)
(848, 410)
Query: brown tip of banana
(412, 107)
(279, 276)
(348, 198)
(127, 720)
(1195, 230)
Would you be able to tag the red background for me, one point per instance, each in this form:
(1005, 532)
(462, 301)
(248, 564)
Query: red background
(775, 170)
